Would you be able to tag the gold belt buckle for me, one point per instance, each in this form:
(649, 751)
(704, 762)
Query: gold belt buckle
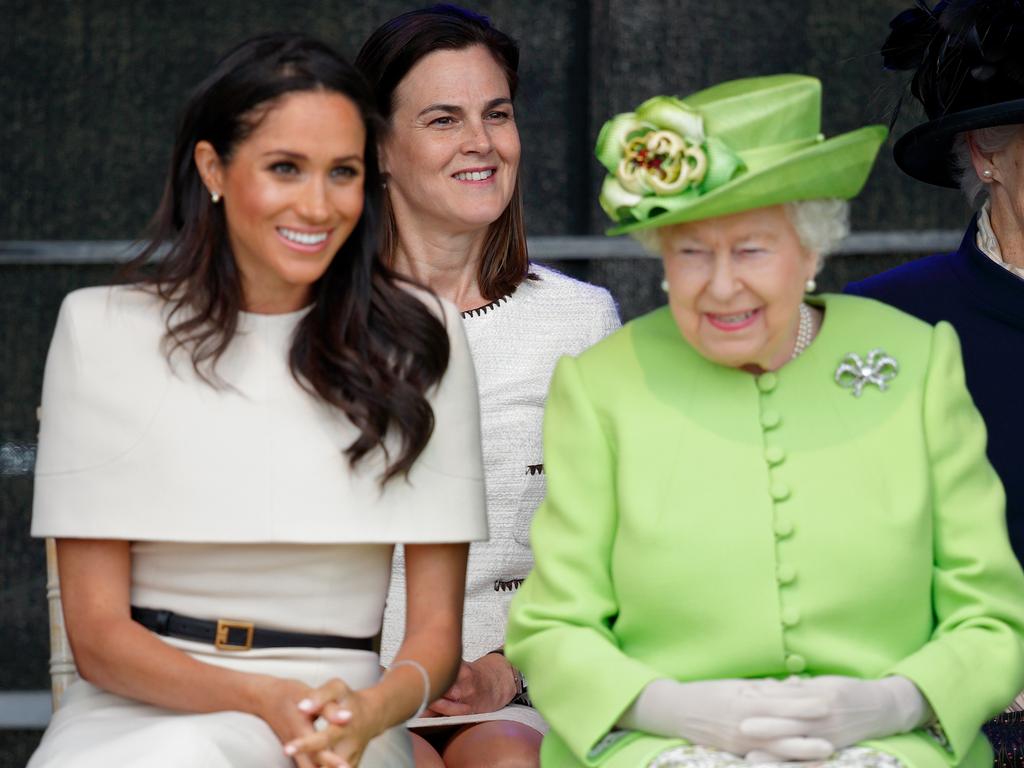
(224, 626)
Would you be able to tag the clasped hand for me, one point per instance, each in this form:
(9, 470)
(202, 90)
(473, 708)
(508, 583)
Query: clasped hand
(347, 732)
(713, 713)
(773, 720)
(855, 710)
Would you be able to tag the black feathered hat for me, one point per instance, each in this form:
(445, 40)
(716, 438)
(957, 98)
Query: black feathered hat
(969, 61)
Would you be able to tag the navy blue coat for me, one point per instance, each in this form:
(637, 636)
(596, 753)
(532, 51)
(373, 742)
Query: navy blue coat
(985, 304)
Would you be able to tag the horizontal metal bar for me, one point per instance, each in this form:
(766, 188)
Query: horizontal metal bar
(904, 241)
(32, 252)
(585, 247)
(17, 458)
(568, 248)
(598, 247)
(25, 709)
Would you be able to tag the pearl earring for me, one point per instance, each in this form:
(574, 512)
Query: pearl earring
(664, 285)
(215, 197)
(987, 173)
(810, 286)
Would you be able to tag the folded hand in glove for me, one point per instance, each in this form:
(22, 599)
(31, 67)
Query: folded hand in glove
(857, 710)
(711, 713)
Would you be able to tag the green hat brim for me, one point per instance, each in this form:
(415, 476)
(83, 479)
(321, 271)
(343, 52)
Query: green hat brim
(834, 168)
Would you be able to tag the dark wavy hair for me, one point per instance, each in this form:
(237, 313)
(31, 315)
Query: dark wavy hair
(386, 58)
(367, 347)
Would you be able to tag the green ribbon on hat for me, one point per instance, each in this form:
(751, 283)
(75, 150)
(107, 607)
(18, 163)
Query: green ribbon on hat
(658, 158)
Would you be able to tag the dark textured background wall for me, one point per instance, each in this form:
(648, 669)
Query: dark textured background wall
(90, 91)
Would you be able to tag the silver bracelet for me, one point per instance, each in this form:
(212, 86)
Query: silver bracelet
(426, 682)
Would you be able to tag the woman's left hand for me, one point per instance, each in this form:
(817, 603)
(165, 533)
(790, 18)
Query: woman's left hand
(350, 726)
(484, 685)
(858, 710)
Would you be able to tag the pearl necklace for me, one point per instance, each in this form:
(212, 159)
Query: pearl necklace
(804, 331)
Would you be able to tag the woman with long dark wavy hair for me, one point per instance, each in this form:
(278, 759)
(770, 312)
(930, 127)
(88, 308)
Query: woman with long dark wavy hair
(445, 80)
(233, 442)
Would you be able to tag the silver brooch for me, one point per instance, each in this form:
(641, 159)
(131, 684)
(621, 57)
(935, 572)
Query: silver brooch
(855, 374)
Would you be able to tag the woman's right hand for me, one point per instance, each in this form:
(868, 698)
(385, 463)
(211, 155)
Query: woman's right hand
(484, 685)
(712, 713)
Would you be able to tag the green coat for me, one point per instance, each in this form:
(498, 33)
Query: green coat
(703, 523)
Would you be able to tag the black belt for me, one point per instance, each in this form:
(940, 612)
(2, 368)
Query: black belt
(228, 635)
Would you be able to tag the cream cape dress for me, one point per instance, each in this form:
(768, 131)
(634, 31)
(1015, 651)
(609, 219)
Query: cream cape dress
(240, 504)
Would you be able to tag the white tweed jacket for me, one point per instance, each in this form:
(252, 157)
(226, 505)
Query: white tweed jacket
(515, 343)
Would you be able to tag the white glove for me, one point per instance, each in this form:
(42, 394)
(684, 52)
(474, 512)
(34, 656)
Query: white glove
(857, 710)
(710, 713)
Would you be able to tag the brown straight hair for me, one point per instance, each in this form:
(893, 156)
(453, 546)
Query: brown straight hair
(386, 58)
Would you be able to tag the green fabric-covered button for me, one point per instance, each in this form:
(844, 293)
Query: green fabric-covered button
(770, 419)
(774, 454)
(796, 663)
(766, 382)
(786, 573)
(783, 527)
(780, 491)
(790, 617)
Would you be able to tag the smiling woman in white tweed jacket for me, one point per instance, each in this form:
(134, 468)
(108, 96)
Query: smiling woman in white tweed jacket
(445, 80)
(515, 343)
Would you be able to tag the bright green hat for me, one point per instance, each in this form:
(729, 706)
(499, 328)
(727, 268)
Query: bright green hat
(736, 146)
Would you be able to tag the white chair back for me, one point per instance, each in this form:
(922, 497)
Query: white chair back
(62, 662)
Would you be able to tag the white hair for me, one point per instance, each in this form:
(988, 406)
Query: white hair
(819, 224)
(649, 239)
(988, 141)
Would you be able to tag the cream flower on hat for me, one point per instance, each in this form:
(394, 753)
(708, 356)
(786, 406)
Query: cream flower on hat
(659, 150)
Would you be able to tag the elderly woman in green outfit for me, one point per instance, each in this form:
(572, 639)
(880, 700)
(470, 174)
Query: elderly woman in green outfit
(771, 531)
